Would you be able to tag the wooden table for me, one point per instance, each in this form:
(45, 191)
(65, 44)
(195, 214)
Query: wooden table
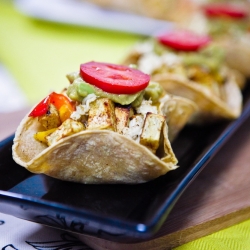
(218, 198)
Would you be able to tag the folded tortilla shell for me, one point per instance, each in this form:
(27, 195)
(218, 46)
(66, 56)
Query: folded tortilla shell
(178, 111)
(211, 107)
(237, 53)
(91, 156)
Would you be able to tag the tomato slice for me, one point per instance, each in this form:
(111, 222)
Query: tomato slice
(41, 108)
(226, 10)
(183, 40)
(113, 78)
(58, 100)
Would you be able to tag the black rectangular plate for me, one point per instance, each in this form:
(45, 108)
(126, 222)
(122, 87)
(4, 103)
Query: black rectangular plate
(124, 213)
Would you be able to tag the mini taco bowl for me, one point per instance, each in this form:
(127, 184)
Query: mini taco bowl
(211, 107)
(224, 103)
(178, 111)
(90, 156)
(102, 156)
(237, 53)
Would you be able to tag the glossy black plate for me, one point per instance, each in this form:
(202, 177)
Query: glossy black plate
(114, 212)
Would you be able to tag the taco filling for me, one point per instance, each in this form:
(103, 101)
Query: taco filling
(109, 126)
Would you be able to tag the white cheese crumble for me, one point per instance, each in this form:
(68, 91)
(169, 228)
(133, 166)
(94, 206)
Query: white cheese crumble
(144, 47)
(134, 129)
(170, 59)
(150, 62)
(83, 108)
(146, 107)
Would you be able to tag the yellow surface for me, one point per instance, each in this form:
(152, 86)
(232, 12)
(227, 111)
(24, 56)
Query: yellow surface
(236, 237)
(40, 54)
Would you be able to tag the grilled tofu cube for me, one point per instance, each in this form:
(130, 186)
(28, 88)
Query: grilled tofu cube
(51, 119)
(122, 113)
(102, 115)
(67, 128)
(151, 131)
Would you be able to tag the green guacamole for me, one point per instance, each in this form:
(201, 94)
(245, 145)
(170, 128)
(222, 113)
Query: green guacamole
(222, 26)
(153, 92)
(79, 89)
(210, 57)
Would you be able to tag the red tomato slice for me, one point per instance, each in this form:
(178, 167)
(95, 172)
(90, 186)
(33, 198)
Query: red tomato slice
(183, 40)
(56, 99)
(113, 78)
(41, 108)
(224, 9)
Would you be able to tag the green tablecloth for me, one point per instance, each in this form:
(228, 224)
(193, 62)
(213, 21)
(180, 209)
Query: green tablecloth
(39, 55)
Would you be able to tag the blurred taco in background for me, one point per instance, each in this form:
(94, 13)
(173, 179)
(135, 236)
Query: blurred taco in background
(228, 23)
(109, 126)
(192, 66)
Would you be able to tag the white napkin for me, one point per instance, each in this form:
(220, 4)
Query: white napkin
(25, 235)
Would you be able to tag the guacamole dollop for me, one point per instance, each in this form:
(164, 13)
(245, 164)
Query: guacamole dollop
(153, 92)
(211, 57)
(79, 89)
(229, 26)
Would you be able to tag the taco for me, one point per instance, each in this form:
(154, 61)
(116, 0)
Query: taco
(109, 126)
(228, 23)
(192, 66)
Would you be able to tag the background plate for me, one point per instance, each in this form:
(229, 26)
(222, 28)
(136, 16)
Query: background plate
(78, 12)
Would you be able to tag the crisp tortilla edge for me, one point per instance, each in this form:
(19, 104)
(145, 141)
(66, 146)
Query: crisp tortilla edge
(165, 166)
(174, 81)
